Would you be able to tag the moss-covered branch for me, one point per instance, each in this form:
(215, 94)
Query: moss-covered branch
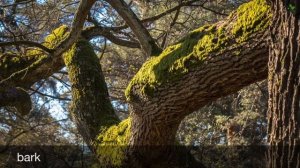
(91, 107)
(195, 49)
(211, 62)
(112, 144)
(16, 69)
(90, 101)
(42, 68)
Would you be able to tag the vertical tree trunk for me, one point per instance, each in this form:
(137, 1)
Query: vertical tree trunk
(284, 89)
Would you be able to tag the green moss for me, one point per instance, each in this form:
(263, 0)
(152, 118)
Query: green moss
(251, 17)
(112, 143)
(171, 61)
(57, 36)
(192, 50)
(88, 87)
(90, 102)
(51, 41)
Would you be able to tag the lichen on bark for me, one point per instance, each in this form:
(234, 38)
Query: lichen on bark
(192, 50)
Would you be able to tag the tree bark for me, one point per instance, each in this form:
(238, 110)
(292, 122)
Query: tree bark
(162, 105)
(284, 87)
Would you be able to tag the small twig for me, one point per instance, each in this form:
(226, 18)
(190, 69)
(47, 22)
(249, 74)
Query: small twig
(103, 51)
(53, 97)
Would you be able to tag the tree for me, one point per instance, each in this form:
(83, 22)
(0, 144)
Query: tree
(283, 111)
(210, 62)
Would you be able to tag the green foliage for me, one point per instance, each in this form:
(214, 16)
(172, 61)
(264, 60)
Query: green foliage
(241, 119)
(292, 8)
(221, 120)
(112, 143)
(207, 129)
(192, 50)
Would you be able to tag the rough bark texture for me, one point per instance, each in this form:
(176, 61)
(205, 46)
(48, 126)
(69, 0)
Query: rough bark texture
(284, 89)
(91, 108)
(224, 58)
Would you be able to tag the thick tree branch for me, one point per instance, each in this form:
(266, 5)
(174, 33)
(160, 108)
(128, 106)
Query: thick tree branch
(211, 62)
(91, 107)
(47, 69)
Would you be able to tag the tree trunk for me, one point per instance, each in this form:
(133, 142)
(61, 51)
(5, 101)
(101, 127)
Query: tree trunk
(284, 89)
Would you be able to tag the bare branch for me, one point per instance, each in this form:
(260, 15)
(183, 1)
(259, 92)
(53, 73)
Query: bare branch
(92, 32)
(77, 26)
(148, 44)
